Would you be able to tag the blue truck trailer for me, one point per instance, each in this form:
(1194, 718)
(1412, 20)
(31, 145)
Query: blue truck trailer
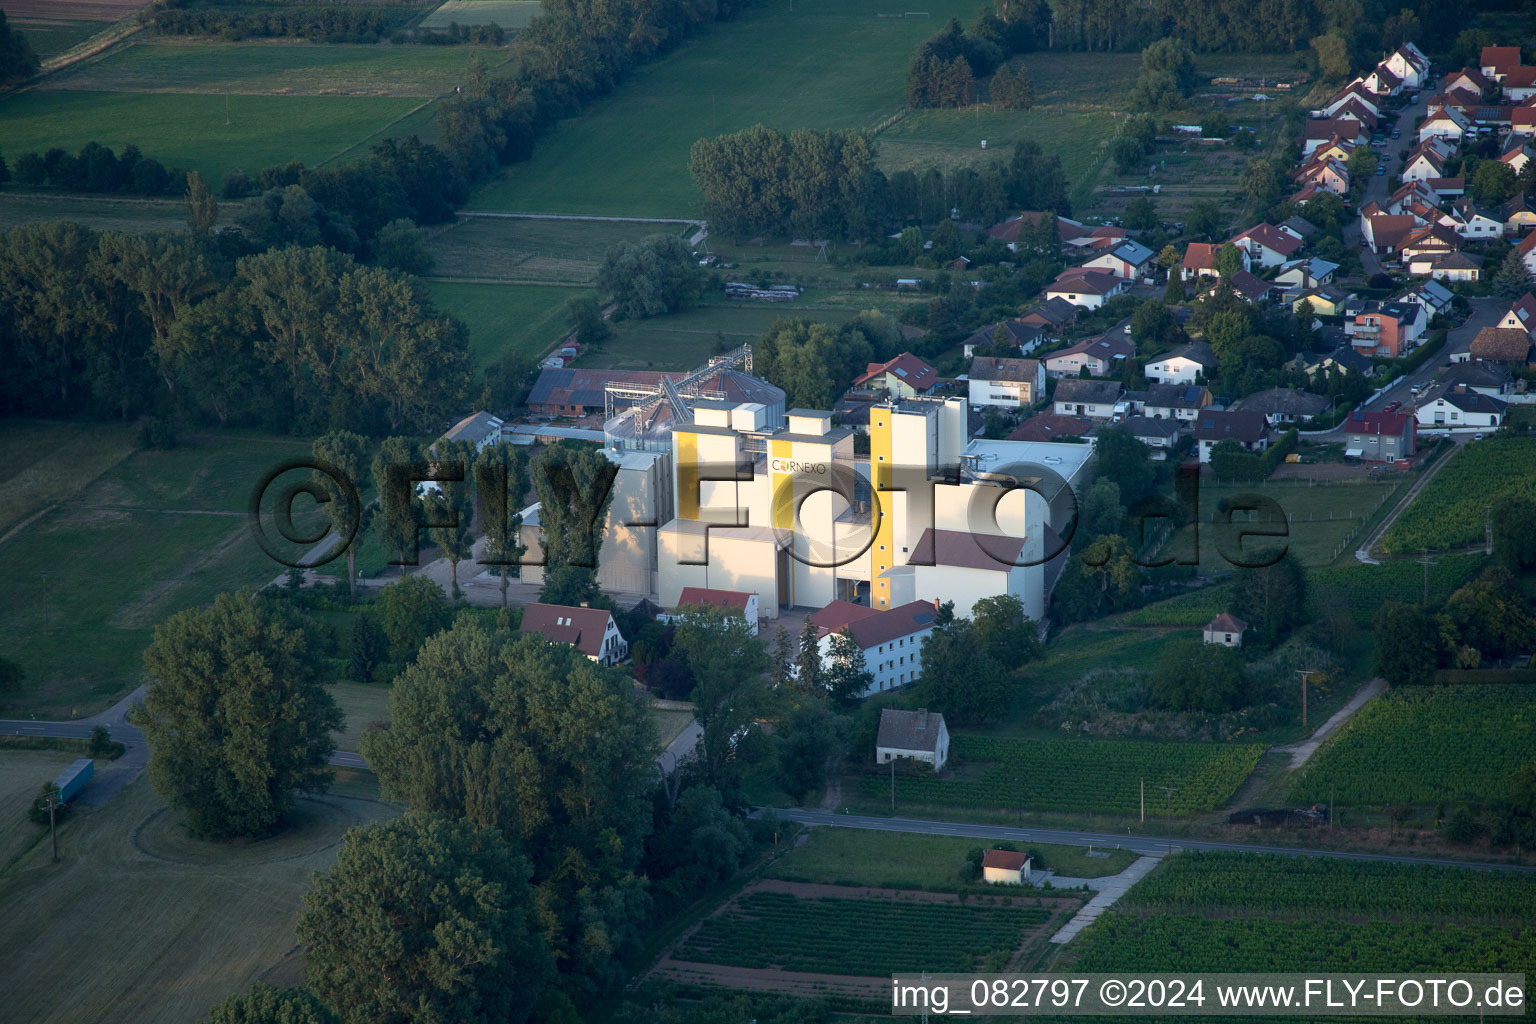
(73, 779)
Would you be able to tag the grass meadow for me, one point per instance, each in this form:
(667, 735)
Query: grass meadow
(22, 774)
(110, 543)
(98, 212)
(503, 318)
(504, 13)
(167, 925)
(520, 250)
(54, 37)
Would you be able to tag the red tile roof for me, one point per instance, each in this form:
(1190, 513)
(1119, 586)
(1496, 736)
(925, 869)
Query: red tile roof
(871, 627)
(1380, 423)
(1271, 237)
(1007, 860)
(1500, 58)
(1200, 256)
(716, 598)
(908, 369)
(1225, 623)
(1077, 279)
(582, 628)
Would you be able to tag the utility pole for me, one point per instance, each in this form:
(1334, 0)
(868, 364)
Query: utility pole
(44, 575)
(1168, 792)
(1427, 562)
(1143, 801)
(1304, 673)
(1330, 806)
(53, 825)
(893, 785)
(1487, 529)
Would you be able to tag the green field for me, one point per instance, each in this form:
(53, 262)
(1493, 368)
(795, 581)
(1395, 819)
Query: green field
(361, 703)
(952, 138)
(503, 318)
(1075, 776)
(522, 250)
(504, 13)
(52, 39)
(834, 936)
(250, 69)
(141, 924)
(1245, 912)
(627, 154)
(907, 860)
(1451, 509)
(154, 533)
(1419, 745)
(98, 212)
(190, 131)
(1195, 608)
(22, 774)
(1364, 588)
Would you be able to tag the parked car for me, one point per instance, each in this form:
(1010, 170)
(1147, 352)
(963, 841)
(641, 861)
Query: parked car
(1478, 436)
(1392, 407)
(1382, 169)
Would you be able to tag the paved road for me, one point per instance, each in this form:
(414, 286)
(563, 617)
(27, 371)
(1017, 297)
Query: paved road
(1150, 846)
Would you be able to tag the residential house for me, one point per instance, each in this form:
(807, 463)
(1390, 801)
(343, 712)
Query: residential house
(1385, 232)
(1383, 82)
(1248, 429)
(1519, 84)
(1380, 436)
(1306, 273)
(1103, 354)
(1497, 61)
(1517, 152)
(1411, 197)
(1320, 132)
(1106, 236)
(480, 429)
(1127, 259)
(1509, 345)
(1410, 65)
(1300, 226)
(1527, 251)
(1491, 379)
(920, 735)
(1006, 383)
(1470, 80)
(1224, 629)
(1200, 261)
(1327, 172)
(1092, 398)
(1280, 406)
(1522, 119)
(905, 376)
(1050, 426)
(592, 631)
(1152, 432)
(742, 604)
(1357, 109)
(1087, 288)
(1522, 314)
(1178, 401)
(1344, 359)
(1428, 240)
(1325, 301)
(1052, 316)
(1184, 365)
(1435, 297)
(1387, 330)
(1425, 161)
(1445, 123)
(1247, 287)
(1473, 224)
(1267, 245)
(1005, 867)
(1455, 266)
(1445, 188)
(1355, 93)
(1008, 231)
(1458, 406)
(1518, 215)
(1015, 333)
(891, 640)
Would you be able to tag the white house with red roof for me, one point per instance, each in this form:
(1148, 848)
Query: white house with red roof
(1527, 251)
(1200, 260)
(1383, 81)
(905, 376)
(1497, 61)
(1267, 245)
(1445, 123)
(592, 631)
(738, 601)
(1224, 629)
(891, 640)
(1354, 92)
(1380, 436)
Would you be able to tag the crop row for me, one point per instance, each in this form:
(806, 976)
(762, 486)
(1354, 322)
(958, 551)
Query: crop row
(1426, 745)
(1091, 776)
(867, 938)
(1227, 883)
(1364, 588)
(1121, 941)
(1451, 509)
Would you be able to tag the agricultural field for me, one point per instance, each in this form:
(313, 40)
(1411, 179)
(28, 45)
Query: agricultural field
(175, 65)
(1248, 912)
(1420, 745)
(1450, 511)
(525, 250)
(1195, 608)
(906, 860)
(1364, 588)
(1076, 776)
(203, 132)
(167, 925)
(502, 318)
(116, 542)
(764, 929)
(51, 38)
(1222, 884)
(627, 155)
(1319, 520)
(100, 213)
(22, 774)
(503, 13)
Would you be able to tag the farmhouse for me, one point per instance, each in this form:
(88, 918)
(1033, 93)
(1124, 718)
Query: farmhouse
(590, 630)
(1379, 436)
(1007, 383)
(1005, 867)
(1248, 429)
(1093, 398)
(891, 640)
(905, 376)
(1225, 629)
(920, 735)
(741, 603)
(1183, 365)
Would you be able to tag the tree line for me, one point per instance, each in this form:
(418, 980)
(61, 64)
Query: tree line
(945, 68)
(119, 324)
(95, 168)
(18, 62)
(826, 185)
(330, 23)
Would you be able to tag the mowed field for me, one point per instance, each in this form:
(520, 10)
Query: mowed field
(139, 923)
(503, 318)
(212, 107)
(503, 13)
(22, 774)
(107, 542)
(98, 212)
(837, 64)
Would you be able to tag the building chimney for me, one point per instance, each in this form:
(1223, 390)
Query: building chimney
(922, 718)
(936, 604)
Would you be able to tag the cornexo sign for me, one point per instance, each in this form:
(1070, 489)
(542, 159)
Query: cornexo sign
(796, 466)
